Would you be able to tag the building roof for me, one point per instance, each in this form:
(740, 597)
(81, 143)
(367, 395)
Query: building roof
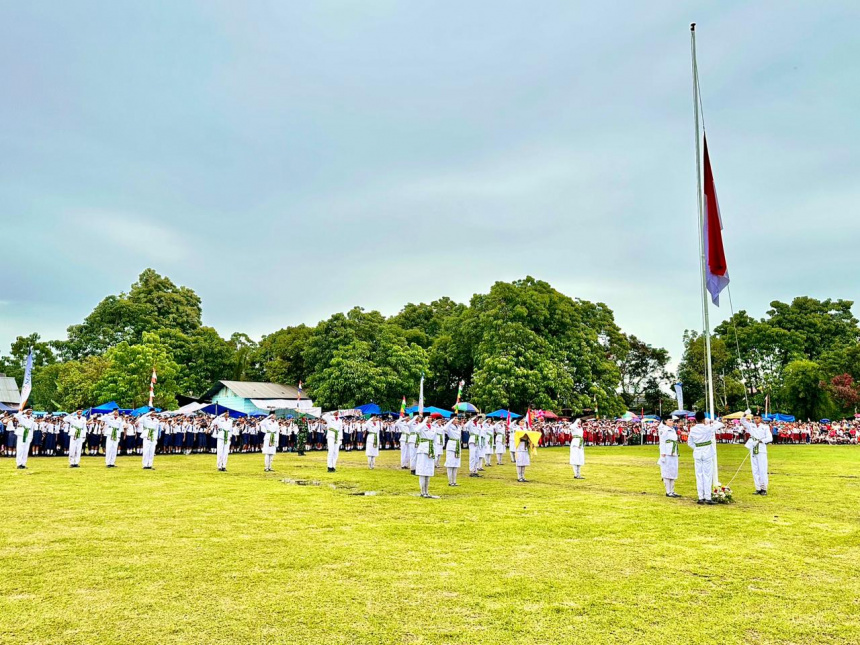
(254, 390)
(9, 392)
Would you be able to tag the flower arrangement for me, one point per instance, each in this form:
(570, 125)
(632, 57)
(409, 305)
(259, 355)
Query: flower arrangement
(722, 495)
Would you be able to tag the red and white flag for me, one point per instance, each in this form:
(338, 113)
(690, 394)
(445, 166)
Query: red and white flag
(152, 383)
(716, 270)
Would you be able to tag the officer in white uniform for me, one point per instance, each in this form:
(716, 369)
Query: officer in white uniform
(223, 431)
(271, 437)
(113, 433)
(670, 450)
(334, 437)
(702, 439)
(148, 427)
(577, 449)
(371, 442)
(24, 431)
(77, 434)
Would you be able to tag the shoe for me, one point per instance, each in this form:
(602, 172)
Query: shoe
(674, 495)
(412, 471)
(21, 467)
(473, 474)
(521, 480)
(764, 492)
(668, 494)
(710, 502)
(701, 501)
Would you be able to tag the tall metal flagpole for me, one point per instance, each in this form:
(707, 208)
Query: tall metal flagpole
(700, 194)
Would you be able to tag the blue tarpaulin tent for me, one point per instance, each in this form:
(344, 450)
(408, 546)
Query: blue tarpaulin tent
(777, 416)
(143, 410)
(369, 408)
(503, 414)
(214, 408)
(429, 409)
(6, 408)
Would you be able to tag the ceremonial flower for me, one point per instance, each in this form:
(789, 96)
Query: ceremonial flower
(722, 495)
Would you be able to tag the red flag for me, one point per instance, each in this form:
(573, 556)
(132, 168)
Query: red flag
(716, 269)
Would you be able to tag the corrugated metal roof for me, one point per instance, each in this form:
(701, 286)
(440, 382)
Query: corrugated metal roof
(255, 390)
(9, 392)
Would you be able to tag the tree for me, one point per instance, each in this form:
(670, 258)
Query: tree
(641, 367)
(153, 303)
(692, 369)
(126, 378)
(243, 349)
(279, 357)
(205, 358)
(802, 392)
(844, 392)
(13, 365)
(824, 325)
(424, 323)
(76, 382)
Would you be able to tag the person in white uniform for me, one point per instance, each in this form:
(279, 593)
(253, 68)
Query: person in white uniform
(453, 437)
(499, 431)
(25, 424)
(484, 449)
(577, 449)
(474, 451)
(413, 441)
(148, 426)
(439, 447)
(702, 439)
(670, 450)
(425, 456)
(77, 434)
(523, 457)
(223, 431)
(112, 430)
(760, 436)
(371, 443)
(271, 438)
(334, 436)
(402, 426)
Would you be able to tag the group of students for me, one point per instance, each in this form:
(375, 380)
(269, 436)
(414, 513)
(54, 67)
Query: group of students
(425, 442)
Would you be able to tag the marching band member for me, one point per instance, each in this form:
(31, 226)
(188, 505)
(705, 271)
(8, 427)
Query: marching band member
(669, 453)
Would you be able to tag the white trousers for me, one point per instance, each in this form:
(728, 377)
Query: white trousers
(704, 465)
(269, 461)
(474, 458)
(22, 451)
(404, 452)
(412, 456)
(148, 452)
(759, 470)
(75, 446)
(110, 451)
(221, 451)
(333, 452)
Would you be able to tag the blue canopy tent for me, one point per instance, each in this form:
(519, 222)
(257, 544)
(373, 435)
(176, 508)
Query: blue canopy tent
(777, 416)
(143, 410)
(369, 408)
(503, 414)
(105, 408)
(214, 408)
(6, 408)
(429, 409)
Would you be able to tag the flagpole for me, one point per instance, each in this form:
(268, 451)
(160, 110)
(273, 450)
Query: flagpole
(699, 195)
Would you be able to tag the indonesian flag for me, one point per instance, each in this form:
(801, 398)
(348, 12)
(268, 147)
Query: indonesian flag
(509, 420)
(459, 394)
(716, 269)
(152, 383)
(403, 408)
(27, 385)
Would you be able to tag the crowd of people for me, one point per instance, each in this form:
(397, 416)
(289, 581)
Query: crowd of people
(425, 443)
(191, 434)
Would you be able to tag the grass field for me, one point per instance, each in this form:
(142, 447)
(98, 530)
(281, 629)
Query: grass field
(184, 554)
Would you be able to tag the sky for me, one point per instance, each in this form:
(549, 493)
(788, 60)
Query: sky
(291, 160)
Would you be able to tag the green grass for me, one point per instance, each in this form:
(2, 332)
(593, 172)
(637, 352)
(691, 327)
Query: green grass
(184, 554)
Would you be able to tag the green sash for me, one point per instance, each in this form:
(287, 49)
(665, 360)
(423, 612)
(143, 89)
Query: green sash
(271, 439)
(432, 452)
(336, 433)
(755, 448)
(26, 433)
(226, 438)
(579, 441)
(456, 447)
(703, 444)
(150, 434)
(113, 434)
(675, 448)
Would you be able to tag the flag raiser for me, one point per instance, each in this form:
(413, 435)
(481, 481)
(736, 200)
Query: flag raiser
(716, 270)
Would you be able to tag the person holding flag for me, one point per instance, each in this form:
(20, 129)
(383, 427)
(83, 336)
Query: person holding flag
(24, 433)
(112, 430)
(77, 433)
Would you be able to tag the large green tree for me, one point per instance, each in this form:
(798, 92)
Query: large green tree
(642, 368)
(802, 392)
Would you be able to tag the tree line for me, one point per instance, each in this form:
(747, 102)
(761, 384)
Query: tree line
(523, 344)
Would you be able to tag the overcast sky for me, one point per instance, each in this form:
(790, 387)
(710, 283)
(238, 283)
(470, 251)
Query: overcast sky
(290, 160)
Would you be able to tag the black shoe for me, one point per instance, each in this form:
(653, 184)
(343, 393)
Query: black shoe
(412, 471)
(710, 502)
(701, 501)
(764, 492)
(21, 467)
(668, 494)
(674, 495)
(473, 474)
